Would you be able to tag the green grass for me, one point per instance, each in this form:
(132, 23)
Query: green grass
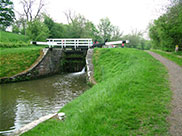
(131, 98)
(12, 40)
(171, 56)
(179, 53)
(16, 60)
(12, 37)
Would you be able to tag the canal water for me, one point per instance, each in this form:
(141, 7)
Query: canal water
(24, 102)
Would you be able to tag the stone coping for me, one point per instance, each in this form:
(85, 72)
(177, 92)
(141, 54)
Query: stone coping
(90, 67)
(32, 124)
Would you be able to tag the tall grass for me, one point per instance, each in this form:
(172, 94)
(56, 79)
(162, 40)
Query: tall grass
(131, 98)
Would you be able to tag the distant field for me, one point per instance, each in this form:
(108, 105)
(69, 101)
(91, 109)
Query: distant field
(16, 60)
(131, 98)
(12, 37)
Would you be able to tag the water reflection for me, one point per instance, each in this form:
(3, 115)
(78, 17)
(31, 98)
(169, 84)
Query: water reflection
(21, 103)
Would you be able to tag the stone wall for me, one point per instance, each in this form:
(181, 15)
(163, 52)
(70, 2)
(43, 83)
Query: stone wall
(56, 60)
(50, 64)
(90, 67)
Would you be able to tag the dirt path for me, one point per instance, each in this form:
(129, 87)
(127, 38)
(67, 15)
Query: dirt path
(175, 77)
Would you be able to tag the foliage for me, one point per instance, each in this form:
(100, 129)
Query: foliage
(105, 29)
(37, 30)
(59, 30)
(166, 31)
(136, 40)
(15, 28)
(16, 60)
(56, 30)
(131, 98)
(108, 31)
(90, 31)
(80, 27)
(19, 26)
(31, 11)
(77, 26)
(116, 34)
(6, 13)
(179, 53)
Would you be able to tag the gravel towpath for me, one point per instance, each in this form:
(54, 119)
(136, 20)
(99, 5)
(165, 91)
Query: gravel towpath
(175, 77)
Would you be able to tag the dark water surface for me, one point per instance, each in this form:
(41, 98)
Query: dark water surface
(24, 102)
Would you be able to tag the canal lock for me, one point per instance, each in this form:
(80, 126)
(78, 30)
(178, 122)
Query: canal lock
(72, 61)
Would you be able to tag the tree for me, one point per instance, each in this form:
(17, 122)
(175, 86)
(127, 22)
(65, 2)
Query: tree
(91, 31)
(37, 30)
(116, 34)
(57, 30)
(48, 21)
(70, 15)
(32, 10)
(136, 40)
(80, 27)
(166, 31)
(19, 26)
(16, 27)
(108, 31)
(6, 13)
(29, 7)
(105, 29)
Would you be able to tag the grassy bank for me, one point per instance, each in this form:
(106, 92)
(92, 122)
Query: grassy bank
(12, 40)
(175, 57)
(16, 60)
(12, 37)
(131, 98)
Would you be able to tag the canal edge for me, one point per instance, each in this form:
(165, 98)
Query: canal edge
(32, 124)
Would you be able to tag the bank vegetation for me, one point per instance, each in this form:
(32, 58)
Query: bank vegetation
(132, 97)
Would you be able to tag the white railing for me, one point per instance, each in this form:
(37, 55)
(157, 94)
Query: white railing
(77, 42)
(116, 42)
(74, 43)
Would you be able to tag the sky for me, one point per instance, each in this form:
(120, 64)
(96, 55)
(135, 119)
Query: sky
(128, 15)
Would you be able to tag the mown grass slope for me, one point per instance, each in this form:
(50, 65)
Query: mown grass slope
(12, 40)
(175, 57)
(16, 60)
(131, 98)
(12, 37)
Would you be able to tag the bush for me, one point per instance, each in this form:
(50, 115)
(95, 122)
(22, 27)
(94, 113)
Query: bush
(37, 31)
